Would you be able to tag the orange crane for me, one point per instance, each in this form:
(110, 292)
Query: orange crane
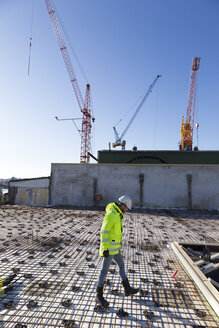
(84, 104)
(188, 126)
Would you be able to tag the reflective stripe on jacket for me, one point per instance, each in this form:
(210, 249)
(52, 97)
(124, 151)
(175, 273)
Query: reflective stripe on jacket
(111, 230)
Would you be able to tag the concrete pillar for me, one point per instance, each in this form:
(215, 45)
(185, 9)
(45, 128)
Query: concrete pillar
(141, 182)
(12, 195)
(94, 190)
(189, 186)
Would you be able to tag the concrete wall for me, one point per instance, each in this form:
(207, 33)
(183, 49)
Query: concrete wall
(166, 186)
(33, 192)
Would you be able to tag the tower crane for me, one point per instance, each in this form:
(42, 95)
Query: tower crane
(119, 141)
(188, 126)
(84, 104)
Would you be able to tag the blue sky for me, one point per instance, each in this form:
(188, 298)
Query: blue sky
(122, 45)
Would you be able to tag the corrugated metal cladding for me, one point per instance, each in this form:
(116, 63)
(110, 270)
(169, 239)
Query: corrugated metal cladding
(158, 157)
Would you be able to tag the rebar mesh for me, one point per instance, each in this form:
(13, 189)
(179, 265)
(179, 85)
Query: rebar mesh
(55, 254)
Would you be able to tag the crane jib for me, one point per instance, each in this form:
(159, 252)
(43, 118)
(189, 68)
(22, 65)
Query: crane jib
(84, 103)
(119, 139)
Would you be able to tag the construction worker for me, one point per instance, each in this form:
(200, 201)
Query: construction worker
(110, 246)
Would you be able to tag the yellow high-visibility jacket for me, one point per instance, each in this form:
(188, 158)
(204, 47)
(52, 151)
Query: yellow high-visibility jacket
(111, 230)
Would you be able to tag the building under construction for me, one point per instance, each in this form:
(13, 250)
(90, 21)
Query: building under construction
(170, 255)
(49, 250)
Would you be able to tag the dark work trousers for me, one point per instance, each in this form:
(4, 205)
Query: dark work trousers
(105, 268)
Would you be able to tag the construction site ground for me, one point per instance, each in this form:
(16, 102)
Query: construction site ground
(55, 254)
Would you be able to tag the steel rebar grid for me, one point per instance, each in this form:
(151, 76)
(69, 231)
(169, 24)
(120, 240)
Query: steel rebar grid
(67, 241)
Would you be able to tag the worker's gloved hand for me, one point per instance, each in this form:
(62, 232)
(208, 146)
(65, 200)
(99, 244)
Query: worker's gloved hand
(106, 253)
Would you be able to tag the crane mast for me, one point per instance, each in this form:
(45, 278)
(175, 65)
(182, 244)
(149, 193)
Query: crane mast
(119, 141)
(188, 126)
(84, 105)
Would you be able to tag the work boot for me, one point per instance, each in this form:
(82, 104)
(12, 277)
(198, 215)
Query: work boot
(6, 289)
(9, 279)
(100, 299)
(128, 289)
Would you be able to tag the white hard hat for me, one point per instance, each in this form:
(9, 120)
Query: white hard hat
(126, 200)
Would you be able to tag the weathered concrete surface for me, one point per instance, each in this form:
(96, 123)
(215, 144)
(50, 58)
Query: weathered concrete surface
(164, 186)
(55, 254)
(34, 192)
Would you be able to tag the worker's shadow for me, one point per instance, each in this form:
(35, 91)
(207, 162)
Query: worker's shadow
(139, 322)
(168, 313)
(144, 323)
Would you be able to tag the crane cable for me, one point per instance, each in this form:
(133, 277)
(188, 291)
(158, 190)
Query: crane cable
(156, 115)
(71, 47)
(134, 106)
(197, 116)
(30, 44)
(93, 126)
(127, 113)
(83, 74)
